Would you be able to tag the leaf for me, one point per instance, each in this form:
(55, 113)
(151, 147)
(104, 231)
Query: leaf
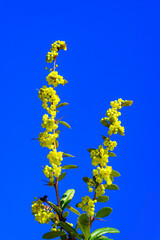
(103, 238)
(90, 149)
(81, 235)
(99, 232)
(86, 179)
(62, 104)
(83, 222)
(62, 176)
(65, 214)
(77, 204)
(65, 124)
(102, 199)
(69, 229)
(112, 187)
(67, 155)
(69, 166)
(54, 234)
(111, 154)
(121, 132)
(104, 137)
(58, 131)
(103, 212)
(67, 197)
(73, 210)
(115, 173)
(54, 206)
(105, 123)
(57, 143)
(127, 103)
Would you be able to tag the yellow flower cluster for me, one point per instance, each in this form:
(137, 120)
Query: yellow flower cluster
(55, 157)
(49, 123)
(113, 114)
(54, 79)
(103, 174)
(110, 144)
(100, 190)
(41, 212)
(99, 156)
(87, 205)
(50, 99)
(47, 139)
(55, 47)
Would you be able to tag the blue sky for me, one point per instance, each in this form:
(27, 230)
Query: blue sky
(113, 51)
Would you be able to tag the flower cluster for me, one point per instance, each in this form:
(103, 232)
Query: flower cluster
(55, 47)
(50, 99)
(54, 79)
(87, 205)
(112, 116)
(110, 144)
(99, 156)
(42, 213)
(101, 174)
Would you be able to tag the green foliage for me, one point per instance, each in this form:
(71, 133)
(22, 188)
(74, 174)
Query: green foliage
(69, 166)
(65, 124)
(73, 210)
(127, 103)
(54, 234)
(62, 104)
(115, 173)
(103, 212)
(62, 176)
(69, 229)
(99, 232)
(102, 199)
(112, 187)
(67, 155)
(83, 222)
(66, 198)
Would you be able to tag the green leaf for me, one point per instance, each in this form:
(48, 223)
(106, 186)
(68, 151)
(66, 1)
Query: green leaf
(104, 137)
(54, 207)
(115, 173)
(83, 222)
(73, 210)
(69, 229)
(112, 187)
(127, 103)
(62, 176)
(103, 238)
(103, 212)
(90, 149)
(65, 124)
(77, 204)
(111, 154)
(69, 166)
(105, 123)
(58, 131)
(67, 197)
(54, 234)
(99, 232)
(57, 143)
(81, 235)
(67, 155)
(102, 199)
(65, 214)
(62, 104)
(121, 132)
(86, 179)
